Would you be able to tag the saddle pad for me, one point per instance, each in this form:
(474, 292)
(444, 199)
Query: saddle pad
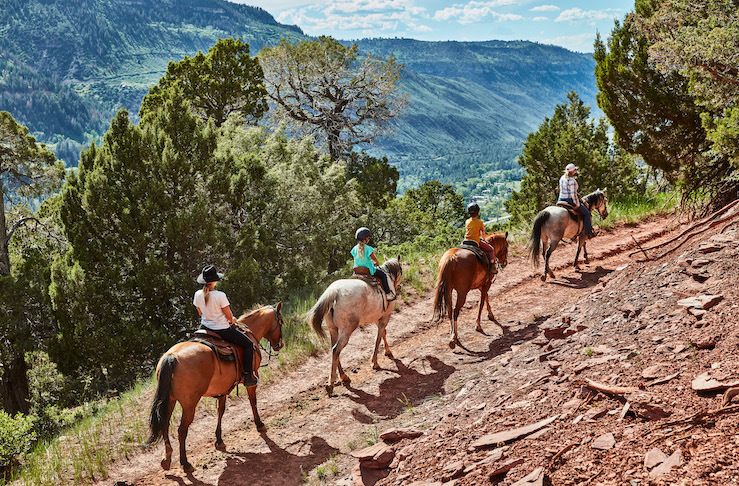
(223, 349)
(370, 279)
(479, 253)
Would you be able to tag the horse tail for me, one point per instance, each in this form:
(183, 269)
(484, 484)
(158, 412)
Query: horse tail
(318, 311)
(535, 239)
(443, 295)
(159, 418)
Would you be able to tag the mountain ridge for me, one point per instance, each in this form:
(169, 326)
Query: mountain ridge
(65, 70)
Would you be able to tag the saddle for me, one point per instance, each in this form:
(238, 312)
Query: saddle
(363, 273)
(481, 255)
(574, 214)
(226, 351)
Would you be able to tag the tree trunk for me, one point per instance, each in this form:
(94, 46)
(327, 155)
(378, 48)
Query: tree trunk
(14, 386)
(14, 382)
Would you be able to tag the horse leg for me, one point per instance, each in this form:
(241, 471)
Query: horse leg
(461, 297)
(188, 414)
(339, 343)
(547, 270)
(381, 337)
(585, 251)
(484, 300)
(221, 410)
(252, 392)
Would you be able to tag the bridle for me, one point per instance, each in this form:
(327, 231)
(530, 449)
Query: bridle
(274, 348)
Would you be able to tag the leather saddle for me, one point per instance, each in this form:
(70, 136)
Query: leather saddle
(363, 273)
(226, 351)
(471, 245)
(570, 209)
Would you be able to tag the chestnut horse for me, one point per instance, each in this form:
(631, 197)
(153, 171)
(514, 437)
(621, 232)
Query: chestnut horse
(349, 303)
(191, 370)
(460, 270)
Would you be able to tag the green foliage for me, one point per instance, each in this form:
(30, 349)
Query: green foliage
(652, 113)
(570, 137)
(225, 81)
(377, 180)
(16, 438)
(325, 89)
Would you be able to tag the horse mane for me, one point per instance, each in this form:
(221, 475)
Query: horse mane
(593, 197)
(254, 309)
(392, 267)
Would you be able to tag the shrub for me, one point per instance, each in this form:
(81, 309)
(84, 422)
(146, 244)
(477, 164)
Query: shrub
(16, 438)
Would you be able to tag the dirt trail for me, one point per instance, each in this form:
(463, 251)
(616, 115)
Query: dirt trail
(305, 428)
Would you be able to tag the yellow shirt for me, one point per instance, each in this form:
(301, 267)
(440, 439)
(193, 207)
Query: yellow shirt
(472, 229)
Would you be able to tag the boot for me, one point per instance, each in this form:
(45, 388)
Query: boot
(250, 378)
(390, 296)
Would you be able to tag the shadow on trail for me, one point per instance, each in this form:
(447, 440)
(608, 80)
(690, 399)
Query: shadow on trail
(503, 343)
(409, 387)
(278, 467)
(585, 279)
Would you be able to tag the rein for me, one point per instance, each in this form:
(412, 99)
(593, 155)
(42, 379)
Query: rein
(271, 349)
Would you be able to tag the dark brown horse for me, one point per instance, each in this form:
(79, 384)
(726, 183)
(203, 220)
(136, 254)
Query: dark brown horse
(191, 370)
(460, 270)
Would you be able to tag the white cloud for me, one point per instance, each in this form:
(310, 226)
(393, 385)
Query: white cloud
(545, 8)
(540, 19)
(473, 12)
(576, 14)
(420, 28)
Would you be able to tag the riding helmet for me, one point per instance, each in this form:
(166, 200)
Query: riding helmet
(473, 208)
(363, 233)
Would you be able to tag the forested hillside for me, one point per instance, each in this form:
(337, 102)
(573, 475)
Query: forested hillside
(67, 67)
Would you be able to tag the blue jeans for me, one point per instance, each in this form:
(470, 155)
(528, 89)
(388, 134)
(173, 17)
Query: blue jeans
(587, 218)
(238, 338)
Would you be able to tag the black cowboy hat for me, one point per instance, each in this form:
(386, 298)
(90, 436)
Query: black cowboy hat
(209, 274)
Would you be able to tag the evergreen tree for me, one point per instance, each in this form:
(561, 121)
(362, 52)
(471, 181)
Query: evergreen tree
(226, 80)
(27, 170)
(569, 136)
(652, 113)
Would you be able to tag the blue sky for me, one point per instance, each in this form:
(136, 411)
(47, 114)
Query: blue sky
(568, 23)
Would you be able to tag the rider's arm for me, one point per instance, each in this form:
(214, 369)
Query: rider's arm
(374, 259)
(227, 312)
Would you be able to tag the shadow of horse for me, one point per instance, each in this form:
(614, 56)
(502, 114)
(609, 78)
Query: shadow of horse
(409, 387)
(504, 343)
(585, 280)
(278, 467)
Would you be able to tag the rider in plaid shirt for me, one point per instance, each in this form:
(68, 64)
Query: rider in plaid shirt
(568, 193)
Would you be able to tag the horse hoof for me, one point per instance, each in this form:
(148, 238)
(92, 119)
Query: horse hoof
(375, 366)
(166, 463)
(480, 330)
(187, 467)
(346, 381)
(221, 446)
(261, 427)
(329, 390)
(389, 354)
(452, 344)
(544, 278)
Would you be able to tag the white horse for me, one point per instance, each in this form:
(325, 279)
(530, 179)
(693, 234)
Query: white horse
(349, 303)
(554, 223)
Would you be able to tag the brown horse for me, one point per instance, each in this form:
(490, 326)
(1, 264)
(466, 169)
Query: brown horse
(191, 370)
(460, 270)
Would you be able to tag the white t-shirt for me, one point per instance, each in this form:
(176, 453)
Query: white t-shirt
(213, 316)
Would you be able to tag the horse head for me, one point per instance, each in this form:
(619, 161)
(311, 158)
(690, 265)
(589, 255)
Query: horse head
(275, 335)
(597, 200)
(499, 242)
(394, 270)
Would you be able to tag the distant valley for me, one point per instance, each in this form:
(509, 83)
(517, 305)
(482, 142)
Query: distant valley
(66, 67)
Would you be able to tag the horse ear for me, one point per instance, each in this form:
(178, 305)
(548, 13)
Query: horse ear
(398, 257)
(278, 306)
(506, 235)
(604, 191)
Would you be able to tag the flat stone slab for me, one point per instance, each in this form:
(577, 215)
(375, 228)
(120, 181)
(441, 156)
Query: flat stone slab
(512, 434)
(704, 382)
(701, 301)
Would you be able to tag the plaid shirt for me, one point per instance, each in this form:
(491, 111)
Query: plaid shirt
(568, 188)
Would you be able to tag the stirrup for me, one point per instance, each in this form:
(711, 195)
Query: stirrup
(390, 296)
(250, 379)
